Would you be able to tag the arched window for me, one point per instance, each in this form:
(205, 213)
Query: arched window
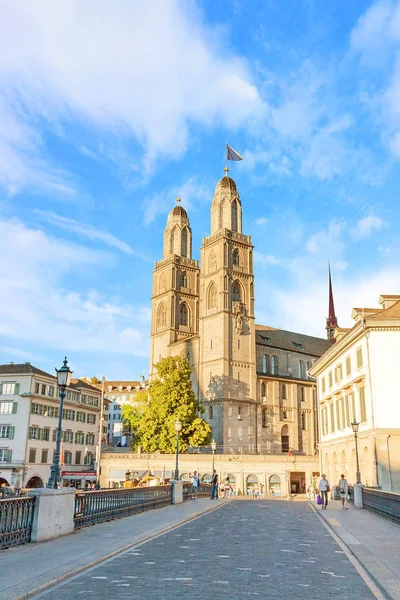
(161, 315)
(285, 439)
(221, 215)
(183, 315)
(284, 392)
(172, 242)
(301, 369)
(301, 394)
(274, 365)
(184, 241)
(303, 421)
(265, 364)
(264, 418)
(275, 485)
(234, 216)
(210, 412)
(212, 296)
(308, 367)
(263, 390)
(236, 291)
(184, 280)
(236, 257)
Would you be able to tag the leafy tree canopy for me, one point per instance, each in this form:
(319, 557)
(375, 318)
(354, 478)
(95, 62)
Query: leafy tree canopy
(94, 380)
(170, 397)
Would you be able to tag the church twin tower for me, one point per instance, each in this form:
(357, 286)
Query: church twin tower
(207, 312)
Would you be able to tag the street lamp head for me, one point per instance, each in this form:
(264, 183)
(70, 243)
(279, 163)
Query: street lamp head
(64, 374)
(355, 426)
(178, 426)
(213, 445)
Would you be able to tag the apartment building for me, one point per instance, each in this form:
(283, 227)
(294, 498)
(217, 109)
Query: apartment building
(29, 411)
(116, 394)
(357, 381)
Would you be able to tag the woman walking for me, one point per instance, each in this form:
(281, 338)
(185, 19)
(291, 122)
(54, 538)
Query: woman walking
(343, 491)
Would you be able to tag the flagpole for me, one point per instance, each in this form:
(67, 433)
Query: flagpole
(226, 159)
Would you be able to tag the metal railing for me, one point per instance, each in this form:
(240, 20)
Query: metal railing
(105, 505)
(204, 490)
(386, 504)
(16, 518)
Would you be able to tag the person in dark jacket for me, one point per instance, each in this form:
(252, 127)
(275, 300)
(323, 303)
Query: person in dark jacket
(214, 486)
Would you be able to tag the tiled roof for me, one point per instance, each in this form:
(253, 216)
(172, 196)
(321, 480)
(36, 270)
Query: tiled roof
(80, 384)
(393, 312)
(115, 385)
(293, 342)
(23, 369)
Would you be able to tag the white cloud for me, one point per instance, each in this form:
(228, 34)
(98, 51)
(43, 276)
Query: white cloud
(261, 221)
(37, 308)
(21, 160)
(365, 227)
(304, 308)
(265, 259)
(137, 69)
(191, 192)
(89, 232)
(327, 241)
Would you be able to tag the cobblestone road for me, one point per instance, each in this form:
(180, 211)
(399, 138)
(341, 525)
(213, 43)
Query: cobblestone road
(247, 548)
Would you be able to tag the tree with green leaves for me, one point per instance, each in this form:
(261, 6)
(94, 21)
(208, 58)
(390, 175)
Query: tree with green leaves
(94, 380)
(170, 397)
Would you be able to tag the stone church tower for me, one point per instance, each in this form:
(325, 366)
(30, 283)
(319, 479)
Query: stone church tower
(227, 333)
(175, 300)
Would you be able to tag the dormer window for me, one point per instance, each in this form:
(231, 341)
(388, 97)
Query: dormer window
(109, 388)
(129, 388)
(120, 388)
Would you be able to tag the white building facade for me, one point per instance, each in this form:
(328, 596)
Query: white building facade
(29, 410)
(358, 380)
(116, 394)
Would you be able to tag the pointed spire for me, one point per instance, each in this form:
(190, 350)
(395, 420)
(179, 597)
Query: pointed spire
(331, 321)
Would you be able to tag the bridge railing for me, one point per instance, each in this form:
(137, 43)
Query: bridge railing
(105, 505)
(386, 504)
(16, 518)
(204, 490)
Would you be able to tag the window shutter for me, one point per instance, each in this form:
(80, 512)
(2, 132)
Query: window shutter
(15, 408)
(16, 389)
(8, 454)
(12, 429)
(1, 388)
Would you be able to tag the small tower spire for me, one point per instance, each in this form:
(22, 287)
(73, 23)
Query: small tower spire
(178, 200)
(331, 321)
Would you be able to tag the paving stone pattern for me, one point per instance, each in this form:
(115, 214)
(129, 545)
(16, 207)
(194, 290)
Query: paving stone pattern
(247, 548)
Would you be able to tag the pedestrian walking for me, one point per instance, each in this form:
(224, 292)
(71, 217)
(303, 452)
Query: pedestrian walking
(311, 494)
(195, 485)
(214, 486)
(227, 487)
(324, 488)
(343, 491)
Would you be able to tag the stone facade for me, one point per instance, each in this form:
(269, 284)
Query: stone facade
(357, 380)
(279, 476)
(207, 312)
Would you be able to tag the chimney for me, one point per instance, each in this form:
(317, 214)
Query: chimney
(27, 363)
(11, 362)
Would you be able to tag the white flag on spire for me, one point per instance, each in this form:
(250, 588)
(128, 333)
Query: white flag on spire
(231, 154)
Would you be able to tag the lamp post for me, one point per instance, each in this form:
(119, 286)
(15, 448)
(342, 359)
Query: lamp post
(213, 448)
(63, 380)
(178, 427)
(355, 426)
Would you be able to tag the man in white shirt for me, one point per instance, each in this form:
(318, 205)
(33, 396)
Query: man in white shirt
(324, 488)
(195, 485)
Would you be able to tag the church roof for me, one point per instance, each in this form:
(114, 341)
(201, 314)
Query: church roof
(179, 211)
(291, 341)
(226, 182)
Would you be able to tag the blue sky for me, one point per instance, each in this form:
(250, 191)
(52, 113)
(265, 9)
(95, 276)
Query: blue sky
(108, 111)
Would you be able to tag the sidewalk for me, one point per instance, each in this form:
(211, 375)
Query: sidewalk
(374, 541)
(32, 567)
